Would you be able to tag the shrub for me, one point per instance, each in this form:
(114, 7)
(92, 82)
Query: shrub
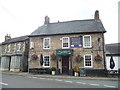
(53, 68)
(98, 58)
(76, 69)
(53, 57)
(34, 57)
(79, 58)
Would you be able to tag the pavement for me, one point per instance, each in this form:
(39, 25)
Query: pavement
(59, 76)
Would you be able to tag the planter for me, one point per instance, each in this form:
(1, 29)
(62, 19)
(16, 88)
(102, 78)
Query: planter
(76, 74)
(53, 72)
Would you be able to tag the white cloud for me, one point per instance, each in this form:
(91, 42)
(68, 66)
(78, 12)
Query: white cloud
(21, 17)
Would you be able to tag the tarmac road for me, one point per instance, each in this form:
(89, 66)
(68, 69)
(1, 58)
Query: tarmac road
(17, 81)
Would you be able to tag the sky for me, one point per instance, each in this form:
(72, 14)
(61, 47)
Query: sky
(22, 17)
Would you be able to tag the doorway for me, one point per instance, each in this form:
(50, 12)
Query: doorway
(65, 64)
(9, 63)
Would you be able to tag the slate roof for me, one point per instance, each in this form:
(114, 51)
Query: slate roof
(113, 48)
(17, 39)
(70, 27)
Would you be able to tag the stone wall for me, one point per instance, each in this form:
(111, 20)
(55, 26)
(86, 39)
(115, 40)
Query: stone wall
(56, 43)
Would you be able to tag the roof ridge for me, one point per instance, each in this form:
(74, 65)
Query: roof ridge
(72, 21)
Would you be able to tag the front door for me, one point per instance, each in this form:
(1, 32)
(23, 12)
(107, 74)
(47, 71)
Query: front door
(65, 64)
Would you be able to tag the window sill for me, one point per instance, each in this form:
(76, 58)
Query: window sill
(46, 48)
(88, 47)
(65, 47)
(88, 66)
(46, 66)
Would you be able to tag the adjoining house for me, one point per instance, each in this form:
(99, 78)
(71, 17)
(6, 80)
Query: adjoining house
(112, 51)
(14, 53)
(64, 45)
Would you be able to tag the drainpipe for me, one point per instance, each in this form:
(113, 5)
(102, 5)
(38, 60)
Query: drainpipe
(103, 45)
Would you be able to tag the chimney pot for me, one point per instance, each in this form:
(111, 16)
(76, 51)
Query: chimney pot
(96, 16)
(47, 20)
(7, 37)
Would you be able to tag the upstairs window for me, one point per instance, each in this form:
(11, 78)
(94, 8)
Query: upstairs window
(46, 61)
(87, 41)
(8, 48)
(46, 43)
(65, 42)
(18, 46)
(31, 45)
(88, 60)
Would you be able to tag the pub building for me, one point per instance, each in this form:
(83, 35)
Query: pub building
(64, 45)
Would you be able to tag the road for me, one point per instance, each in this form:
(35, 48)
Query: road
(16, 81)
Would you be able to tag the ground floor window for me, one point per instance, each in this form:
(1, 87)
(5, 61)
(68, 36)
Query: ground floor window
(88, 60)
(46, 61)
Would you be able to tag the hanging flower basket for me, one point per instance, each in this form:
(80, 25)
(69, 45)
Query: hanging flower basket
(98, 58)
(53, 57)
(79, 58)
(34, 57)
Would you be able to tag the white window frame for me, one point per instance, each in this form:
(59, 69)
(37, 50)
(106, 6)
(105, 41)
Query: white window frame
(68, 42)
(44, 43)
(5, 48)
(8, 47)
(84, 41)
(32, 44)
(91, 61)
(44, 61)
(19, 46)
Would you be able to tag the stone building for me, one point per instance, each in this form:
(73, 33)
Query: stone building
(112, 51)
(14, 53)
(65, 45)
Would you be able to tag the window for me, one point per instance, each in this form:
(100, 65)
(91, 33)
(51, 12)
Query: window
(18, 47)
(65, 42)
(46, 43)
(31, 45)
(88, 60)
(46, 61)
(99, 43)
(8, 48)
(87, 41)
(5, 48)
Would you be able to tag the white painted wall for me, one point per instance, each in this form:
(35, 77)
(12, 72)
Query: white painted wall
(116, 60)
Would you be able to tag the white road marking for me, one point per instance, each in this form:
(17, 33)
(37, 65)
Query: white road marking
(95, 84)
(34, 77)
(29, 77)
(58, 80)
(68, 81)
(41, 78)
(80, 83)
(3, 83)
(109, 86)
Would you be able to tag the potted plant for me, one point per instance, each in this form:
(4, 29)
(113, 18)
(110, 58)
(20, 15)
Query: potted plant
(34, 57)
(76, 70)
(98, 58)
(79, 58)
(53, 57)
(53, 70)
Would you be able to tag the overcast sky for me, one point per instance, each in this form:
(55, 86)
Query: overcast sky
(22, 17)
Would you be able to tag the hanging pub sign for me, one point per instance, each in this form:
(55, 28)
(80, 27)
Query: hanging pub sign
(75, 41)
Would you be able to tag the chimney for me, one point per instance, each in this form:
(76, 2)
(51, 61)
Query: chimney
(7, 37)
(96, 16)
(47, 20)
